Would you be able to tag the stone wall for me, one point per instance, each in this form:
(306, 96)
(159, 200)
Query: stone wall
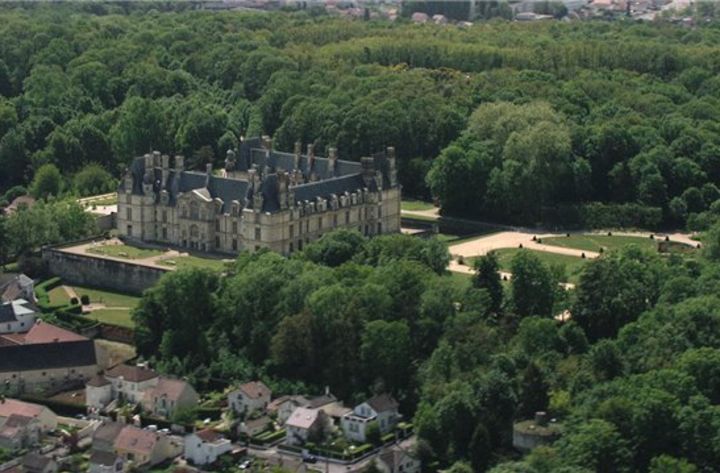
(86, 270)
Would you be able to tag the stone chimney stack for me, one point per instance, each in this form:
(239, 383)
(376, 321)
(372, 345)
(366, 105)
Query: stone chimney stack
(282, 183)
(332, 160)
(165, 165)
(392, 169)
(267, 142)
(179, 163)
(368, 169)
(297, 151)
(311, 161)
(156, 159)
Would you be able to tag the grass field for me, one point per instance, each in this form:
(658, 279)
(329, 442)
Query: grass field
(110, 299)
(58, 296)
(572, 264)
(124, 251)
(112, 316)
(416, 205)
(192, 262)
(107, 200)
(595, 242)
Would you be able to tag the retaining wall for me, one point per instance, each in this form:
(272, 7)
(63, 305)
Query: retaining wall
(86, 270)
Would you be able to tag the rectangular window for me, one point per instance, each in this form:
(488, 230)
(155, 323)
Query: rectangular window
(290, 250)
(292, 232)
(347, 217)
(234, 227)
(379, 231)
(217, 242)
(128, 213)
(164, 216)
(129, 230)
(234, 244)
(217, 225)
(164, 233)
(257, 233)
(335, 221)
(379, 211)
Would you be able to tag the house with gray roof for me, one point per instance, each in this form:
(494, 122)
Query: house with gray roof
(17, 316)
(263, 198)
(381, 409)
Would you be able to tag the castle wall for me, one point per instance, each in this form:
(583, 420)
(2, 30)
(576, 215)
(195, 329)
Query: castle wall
(87, 270)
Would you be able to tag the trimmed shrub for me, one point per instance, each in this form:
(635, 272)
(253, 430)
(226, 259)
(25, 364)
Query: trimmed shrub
(85, 299)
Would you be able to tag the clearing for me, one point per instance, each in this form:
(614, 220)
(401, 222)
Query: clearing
(591, 242)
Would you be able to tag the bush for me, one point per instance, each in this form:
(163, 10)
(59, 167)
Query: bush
(73, 300)
(42, 289)
(85, 299)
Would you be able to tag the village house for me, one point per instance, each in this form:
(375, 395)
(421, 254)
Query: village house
(104, 462)
(168, 396)
(306, 425)
(382, 409)
(249, 397)
(103, 458)
(284, 406)
(16, 286)
(397, 460)
(136, 384)
(205, 446)
(144, 448)
(266, 199)
(22, 424)
(17, 316)
(45, 357)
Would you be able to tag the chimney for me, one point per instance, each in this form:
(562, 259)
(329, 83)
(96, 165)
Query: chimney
(179, 163)
(282, 182)
(156, 159)
(332, 159)
(267, 142)
(297, 151)
(368, 169)
(541, 418)
(165, 161)
(311, 161)
(392, 169)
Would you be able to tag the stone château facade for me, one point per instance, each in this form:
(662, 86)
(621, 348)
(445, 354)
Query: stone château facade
(262, 199)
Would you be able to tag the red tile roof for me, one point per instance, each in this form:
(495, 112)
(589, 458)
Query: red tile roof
(9, 407)
(43, 332)
(255, 389)
(208, 435)
(136, 440)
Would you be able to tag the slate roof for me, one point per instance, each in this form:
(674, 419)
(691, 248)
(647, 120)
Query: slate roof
(108, 432)
(346, 176)
(40, 356)
(10, 310)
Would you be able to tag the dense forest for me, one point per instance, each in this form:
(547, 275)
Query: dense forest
(518, 122)
(633, 377)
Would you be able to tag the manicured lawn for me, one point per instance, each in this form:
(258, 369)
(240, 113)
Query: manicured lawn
(110, 299)
(58, 296)
(591, 242)
(192, 262)
(102, 200)
(124, 251)
(111, 316)
(572, 264)
(462, 280)
(416, 205)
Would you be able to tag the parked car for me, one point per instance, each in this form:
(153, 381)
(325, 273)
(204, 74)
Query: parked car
(309, 458)
(246, 464)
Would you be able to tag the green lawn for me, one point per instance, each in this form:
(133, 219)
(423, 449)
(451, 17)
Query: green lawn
(462, 280)
(102, 200)
(124, 251)
(119, 317)
(192, 262)
(58, 296)
(416, 205)
(110, 299)
(572, 264)
(591, 242)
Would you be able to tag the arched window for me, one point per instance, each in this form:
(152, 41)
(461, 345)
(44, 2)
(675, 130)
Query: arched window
(194, 232)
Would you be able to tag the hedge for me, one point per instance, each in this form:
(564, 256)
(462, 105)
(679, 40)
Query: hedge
(597, 215)
(41, 292)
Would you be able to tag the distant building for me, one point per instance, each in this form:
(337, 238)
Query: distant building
(382, 409)
(169, 396)
(36, 463)
(306, 425)
(143, 448)
(17, 316)
(249, 397)
(22, 424)
(17, 286)
(45, 357)
(267, 199)
(530, 434)
(205, 447)
(419, 17)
